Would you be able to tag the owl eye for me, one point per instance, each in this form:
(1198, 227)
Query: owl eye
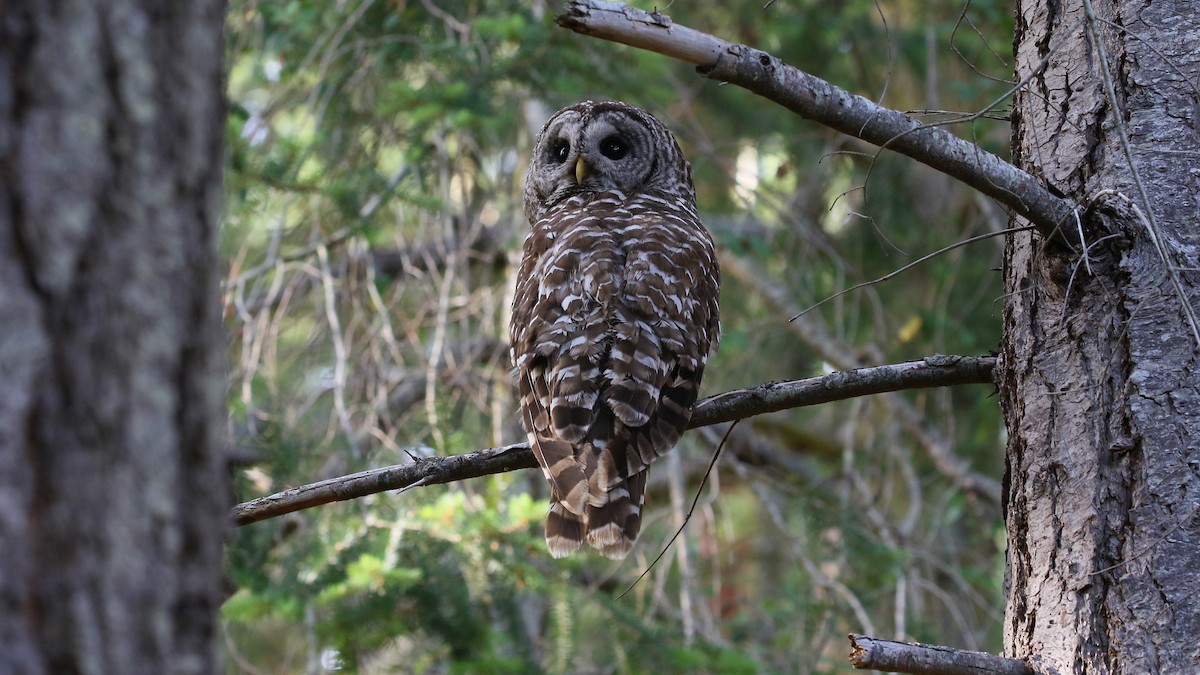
(613, 148)
(559, 150)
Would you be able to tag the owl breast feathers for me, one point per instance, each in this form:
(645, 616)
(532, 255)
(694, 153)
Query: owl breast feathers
(614, 313)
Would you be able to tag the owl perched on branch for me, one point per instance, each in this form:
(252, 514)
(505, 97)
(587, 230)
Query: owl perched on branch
(614, 314)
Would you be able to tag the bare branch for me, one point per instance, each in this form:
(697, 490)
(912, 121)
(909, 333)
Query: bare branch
(818, 100)
(933, 371)
(911, 657)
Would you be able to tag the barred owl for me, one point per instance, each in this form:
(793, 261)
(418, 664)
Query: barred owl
(614, 314)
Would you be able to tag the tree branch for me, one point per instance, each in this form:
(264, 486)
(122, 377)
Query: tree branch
(933, 371)
(909, 657)
(818, 100)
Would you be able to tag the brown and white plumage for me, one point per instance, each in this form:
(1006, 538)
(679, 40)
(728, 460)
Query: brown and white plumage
(614, 314)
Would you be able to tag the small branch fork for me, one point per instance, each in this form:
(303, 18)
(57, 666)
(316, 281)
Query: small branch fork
(870, 653)
(933, 371)
(818, 100)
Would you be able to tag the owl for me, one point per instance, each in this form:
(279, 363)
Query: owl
(613, 317)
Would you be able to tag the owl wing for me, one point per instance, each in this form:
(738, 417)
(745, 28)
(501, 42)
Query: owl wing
(666, 325)
(557, 333)
(611, 327)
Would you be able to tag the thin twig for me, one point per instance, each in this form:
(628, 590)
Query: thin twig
(918, 261)
(699, 491)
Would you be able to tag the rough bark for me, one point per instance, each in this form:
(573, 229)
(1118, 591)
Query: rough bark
(112, 484)
(1098, 371)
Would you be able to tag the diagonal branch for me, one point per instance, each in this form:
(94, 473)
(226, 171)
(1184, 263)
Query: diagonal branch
(818, 100)
(933, 371)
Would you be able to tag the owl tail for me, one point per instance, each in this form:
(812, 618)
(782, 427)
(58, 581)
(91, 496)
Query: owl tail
(564, 531)
(610, 528)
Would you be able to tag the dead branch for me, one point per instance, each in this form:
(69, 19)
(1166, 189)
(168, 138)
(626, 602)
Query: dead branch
(933, 371)
(822, 102)
(911, 657)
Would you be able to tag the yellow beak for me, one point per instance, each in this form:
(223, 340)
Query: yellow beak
(580, 171)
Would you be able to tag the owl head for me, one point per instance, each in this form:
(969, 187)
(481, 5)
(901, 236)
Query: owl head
(596, 147)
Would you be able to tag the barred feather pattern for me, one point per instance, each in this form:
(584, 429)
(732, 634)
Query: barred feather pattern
(613, 317)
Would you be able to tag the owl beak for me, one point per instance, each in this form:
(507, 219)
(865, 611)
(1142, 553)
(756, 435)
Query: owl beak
(580, 170)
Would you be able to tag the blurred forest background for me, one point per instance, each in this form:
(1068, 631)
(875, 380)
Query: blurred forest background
(376, 150)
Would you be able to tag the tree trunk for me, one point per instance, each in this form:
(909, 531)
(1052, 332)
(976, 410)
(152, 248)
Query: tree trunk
(112, 484)
(1098, 371)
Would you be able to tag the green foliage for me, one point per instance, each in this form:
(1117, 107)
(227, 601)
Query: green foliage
(373, 208)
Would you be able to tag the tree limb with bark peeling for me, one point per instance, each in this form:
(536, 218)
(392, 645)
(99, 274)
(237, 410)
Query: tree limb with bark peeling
(869, 653)
(820, 101)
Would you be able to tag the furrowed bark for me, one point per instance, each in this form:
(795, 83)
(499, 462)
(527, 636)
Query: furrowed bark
(113, 481)
(1097, 370)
